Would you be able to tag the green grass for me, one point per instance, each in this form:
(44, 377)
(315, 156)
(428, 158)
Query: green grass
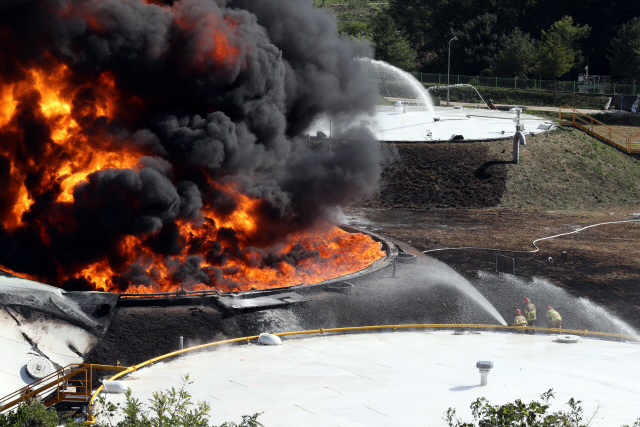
(571, 170)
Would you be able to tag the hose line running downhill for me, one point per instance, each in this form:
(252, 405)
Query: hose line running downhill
(534, 242)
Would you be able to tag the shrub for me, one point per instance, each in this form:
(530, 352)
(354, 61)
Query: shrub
(167, 408)
(31, 413)
(518, 413)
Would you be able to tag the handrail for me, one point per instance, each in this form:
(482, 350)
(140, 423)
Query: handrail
(56, 380)
(178, 293)
(625, 142)
(91, 416)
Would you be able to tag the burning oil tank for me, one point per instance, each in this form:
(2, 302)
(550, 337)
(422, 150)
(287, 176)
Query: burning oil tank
(139, 157)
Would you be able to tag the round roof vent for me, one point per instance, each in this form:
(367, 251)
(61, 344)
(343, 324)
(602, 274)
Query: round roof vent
(39, 367)
(571, 339)
(269, 339)
(484, 364)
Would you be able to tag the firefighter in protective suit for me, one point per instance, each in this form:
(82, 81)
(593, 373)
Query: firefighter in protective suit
(553, 318)
(529, 310)
(519, 320)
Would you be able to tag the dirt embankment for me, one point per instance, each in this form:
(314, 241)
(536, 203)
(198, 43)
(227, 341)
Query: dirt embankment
(455, 175)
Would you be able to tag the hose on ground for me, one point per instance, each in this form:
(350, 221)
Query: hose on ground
(534, 242)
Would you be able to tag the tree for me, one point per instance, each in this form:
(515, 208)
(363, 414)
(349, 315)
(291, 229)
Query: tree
(478, 39)
(354, 29)
(625, 52)
(558, 52)
(428, 26)
(554, 58)
(389, 43)
(169, 408)
(572, 35)
(517, 56)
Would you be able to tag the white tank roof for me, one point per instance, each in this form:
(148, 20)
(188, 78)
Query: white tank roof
(391, 124)
(401, 378)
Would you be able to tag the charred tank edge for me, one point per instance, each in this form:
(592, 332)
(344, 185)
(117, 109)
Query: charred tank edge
(206, 299)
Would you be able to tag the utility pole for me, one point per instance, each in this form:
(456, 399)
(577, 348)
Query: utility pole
(449, 67)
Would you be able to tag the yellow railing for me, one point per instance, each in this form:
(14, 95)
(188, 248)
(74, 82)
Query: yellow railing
(571, 116)
(91, 416)
(71, 383)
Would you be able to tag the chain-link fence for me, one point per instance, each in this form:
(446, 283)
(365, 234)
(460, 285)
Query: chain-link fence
(528, 84)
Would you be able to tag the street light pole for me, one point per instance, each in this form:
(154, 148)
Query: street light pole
(449, 67)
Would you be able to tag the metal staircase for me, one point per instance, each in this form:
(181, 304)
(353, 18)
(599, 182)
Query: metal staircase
(574, 117)
(71, 384)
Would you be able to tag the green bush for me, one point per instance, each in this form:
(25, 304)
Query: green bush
(31, 414)
(520, 414)
(167, 408)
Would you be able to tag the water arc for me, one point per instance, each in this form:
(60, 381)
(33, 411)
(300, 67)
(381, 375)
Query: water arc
(395, 82)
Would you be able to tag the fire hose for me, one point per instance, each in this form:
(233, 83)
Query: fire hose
(534, 242)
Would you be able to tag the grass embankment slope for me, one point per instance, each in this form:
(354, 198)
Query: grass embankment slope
(571, 170)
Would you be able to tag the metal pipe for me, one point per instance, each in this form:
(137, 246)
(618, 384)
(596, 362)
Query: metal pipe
(152, 294)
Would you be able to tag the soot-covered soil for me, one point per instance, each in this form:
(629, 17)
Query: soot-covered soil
(602, 261)
(449, 175)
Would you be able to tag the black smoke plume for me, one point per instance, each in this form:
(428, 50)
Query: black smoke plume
(214, 95)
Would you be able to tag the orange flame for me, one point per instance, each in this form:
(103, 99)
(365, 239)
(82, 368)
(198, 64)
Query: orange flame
(339, 253)
(211, 39)
(69, 141)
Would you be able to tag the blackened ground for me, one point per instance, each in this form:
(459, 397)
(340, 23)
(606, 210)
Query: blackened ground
(449, 175)
(602, 261)
(140, 333)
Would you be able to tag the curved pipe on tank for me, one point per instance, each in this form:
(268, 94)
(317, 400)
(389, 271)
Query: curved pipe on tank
(518, 140)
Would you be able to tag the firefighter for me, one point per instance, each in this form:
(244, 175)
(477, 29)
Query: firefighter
(519, 320)
(553, 318)
(491, 105)
(529, 310)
